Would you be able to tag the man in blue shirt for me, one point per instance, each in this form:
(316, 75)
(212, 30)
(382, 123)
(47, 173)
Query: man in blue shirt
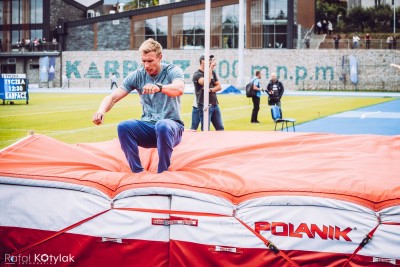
(159, 86)
(257, 97)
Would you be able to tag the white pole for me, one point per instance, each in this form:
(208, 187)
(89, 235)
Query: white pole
(206, 64)
(242, 17)
(394, 17)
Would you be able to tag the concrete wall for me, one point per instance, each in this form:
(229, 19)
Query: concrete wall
(298, 69)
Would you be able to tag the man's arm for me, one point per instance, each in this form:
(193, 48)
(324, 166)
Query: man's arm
(269, 88)
(217, 87)
(176, 88)
(281, 91)
(255, 87)
(210, 77)
(107, 103)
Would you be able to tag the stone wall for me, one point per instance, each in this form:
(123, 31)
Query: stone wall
(298, 69)
(77, 34)
(61, 10)
(114, 35)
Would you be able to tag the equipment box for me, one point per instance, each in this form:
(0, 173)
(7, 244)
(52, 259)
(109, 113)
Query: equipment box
(14, 87)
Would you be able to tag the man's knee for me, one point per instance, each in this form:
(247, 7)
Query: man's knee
(125, 126)
(163, 127)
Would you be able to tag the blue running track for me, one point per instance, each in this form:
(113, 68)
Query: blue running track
(381, 119)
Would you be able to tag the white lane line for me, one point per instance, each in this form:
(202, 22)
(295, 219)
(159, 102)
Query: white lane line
(367, 115)
(363, 116)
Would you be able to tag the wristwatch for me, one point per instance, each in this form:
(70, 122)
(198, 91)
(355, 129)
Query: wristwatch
(159, 86)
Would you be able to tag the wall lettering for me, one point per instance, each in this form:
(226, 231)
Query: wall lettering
(111, 66)
(302, 76)
(72, 69)
(226, 70)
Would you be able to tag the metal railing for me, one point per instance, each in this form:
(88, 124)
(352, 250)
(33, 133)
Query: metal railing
(348, 44)
(18, 48)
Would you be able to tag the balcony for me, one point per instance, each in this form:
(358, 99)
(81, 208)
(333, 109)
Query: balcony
(46, 49)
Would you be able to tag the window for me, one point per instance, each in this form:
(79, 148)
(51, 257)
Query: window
(268, 27)
(34, 66)
(230, 26)
(36, 34)
(2, 9)
(36, 11)
(152, 28)
(16, 36)
(275, 25)
(16, 12)
(188, 30)
(275, 10)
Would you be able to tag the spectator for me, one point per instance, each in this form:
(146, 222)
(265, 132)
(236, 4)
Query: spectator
(389, 41)
(28, 44)
(356, 40)
(324, 27)
(214, 85)
(1, 45)
(330, 28)
(160, 86)
(195, 115)
(113, 81)
(275, 91)
(367, 41)
(36, 44)
(19, 45)
(394, 42)
(257, 97)
(64, 80)
(54, 42)
(336, 40)
(23, 45)
(44, 43)
(319, 27)
(307, 41)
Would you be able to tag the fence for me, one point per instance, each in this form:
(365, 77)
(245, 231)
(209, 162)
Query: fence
(348, 44)
(19, 48)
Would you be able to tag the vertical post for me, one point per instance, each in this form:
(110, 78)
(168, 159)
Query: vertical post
(290, 24)
(299, 37)
(206, 64)
(394, 17)
(242, 17)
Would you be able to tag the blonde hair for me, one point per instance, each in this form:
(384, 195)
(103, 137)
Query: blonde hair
(150, 45)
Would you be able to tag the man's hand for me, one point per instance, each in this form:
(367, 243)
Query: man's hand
(98, 118)
(150, 89)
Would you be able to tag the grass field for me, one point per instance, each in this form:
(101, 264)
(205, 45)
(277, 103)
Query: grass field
(67, 117)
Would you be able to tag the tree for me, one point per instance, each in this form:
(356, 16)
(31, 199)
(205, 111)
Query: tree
(329, 10)
(359, 17)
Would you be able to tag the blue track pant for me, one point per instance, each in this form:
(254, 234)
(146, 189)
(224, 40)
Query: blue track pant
(165, 135)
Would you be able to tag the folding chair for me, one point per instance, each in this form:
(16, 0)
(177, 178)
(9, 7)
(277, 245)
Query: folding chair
(276, 114)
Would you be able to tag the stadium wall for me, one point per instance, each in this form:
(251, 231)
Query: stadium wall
(297, 69)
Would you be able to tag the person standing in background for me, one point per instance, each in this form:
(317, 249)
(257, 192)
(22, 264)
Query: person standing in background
(336, 40)
(214, 86)
(275, 91)
(257, 97)
(113, 81)
(195, 115)
(367, 41)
